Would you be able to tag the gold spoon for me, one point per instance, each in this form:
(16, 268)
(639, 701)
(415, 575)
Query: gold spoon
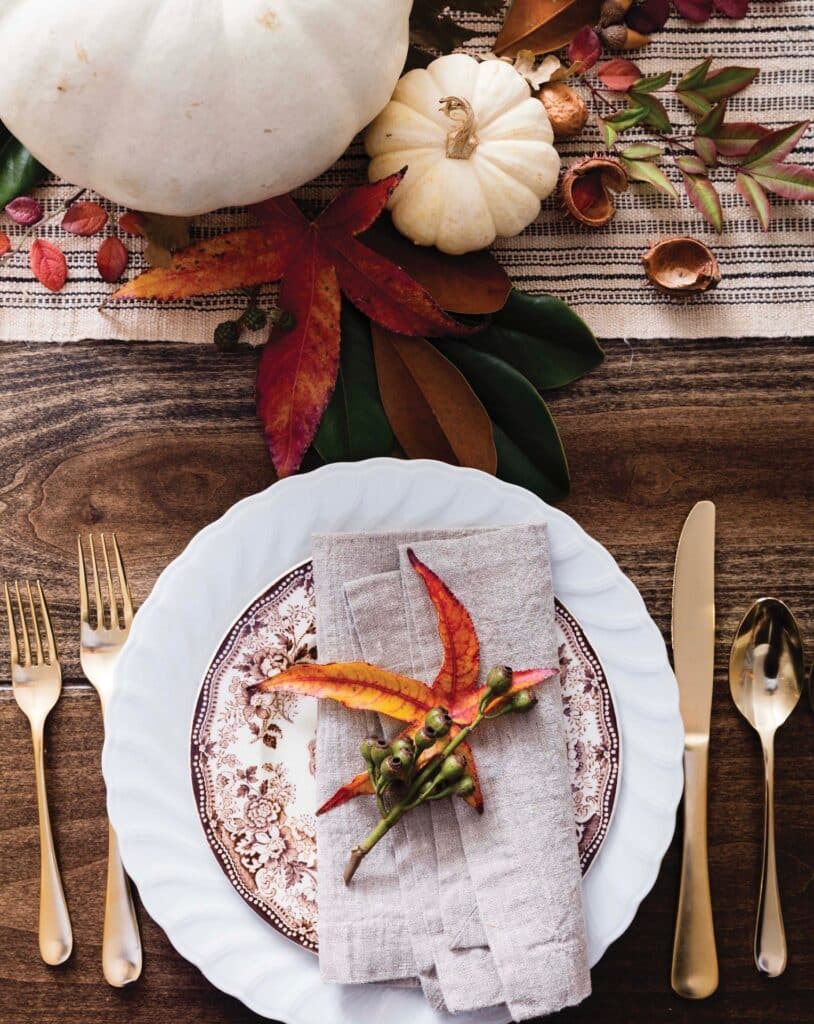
(766, 678)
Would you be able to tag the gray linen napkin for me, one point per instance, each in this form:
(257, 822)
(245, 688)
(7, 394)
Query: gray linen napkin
(491, 906)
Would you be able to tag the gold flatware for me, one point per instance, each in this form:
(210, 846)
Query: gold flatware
(695, 961)
(103, 630)
(37, 682)
(766, 680)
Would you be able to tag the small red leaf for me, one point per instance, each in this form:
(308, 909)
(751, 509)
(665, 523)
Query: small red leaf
(585, 48)
(5, 243)
(131, 223)
(49, 265)
(790, 181)
(732, 8)
(648, 17)
(777, 145)
(704, 198)
(694, 10)
(737, 138)
(25, 210)
(85, 219)
(619, 74)
(111, 259)
(756, 197)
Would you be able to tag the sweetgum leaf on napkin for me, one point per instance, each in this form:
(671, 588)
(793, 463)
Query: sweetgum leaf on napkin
(316, 260)
(433, 411)
(361, 686)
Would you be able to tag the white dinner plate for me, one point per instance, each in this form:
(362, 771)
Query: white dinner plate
(205, 590)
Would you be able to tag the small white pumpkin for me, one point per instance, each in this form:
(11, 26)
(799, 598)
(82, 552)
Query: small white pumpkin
(184, 106)
(478, 152)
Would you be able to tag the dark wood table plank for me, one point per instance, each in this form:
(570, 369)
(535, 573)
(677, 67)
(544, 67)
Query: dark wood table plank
(155, 441)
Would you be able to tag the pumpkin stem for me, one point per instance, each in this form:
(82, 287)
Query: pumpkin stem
(461, 140)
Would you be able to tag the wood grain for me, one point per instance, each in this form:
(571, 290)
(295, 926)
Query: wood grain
(155, 441)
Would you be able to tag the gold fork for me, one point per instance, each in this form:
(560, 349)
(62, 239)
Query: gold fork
(102, 636)
(37, 682)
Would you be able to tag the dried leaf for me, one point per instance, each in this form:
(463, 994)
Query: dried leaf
(775, 146)
(544, 25)
(25, 210)
(619, 74)
(704, 198)
(644, 170)
(585, 48)
(5, 243)
(165, 235)
(111, 260)
(790, 181)
(48, 264)
(756, 197)
(474, 284)
(85, 219)
(738, 138)
(433, 411)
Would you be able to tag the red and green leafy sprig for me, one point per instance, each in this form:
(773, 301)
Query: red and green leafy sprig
(754, 155)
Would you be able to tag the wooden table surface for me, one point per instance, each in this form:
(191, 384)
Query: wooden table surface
(155, 441)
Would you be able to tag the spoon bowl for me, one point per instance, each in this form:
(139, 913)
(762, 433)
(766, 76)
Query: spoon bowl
(766, 681)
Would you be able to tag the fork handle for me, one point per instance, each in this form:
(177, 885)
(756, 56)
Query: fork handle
(55, 934)
(121, 942)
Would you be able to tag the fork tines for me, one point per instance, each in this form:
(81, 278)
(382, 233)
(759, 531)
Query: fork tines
(117, 612)
(32, 628)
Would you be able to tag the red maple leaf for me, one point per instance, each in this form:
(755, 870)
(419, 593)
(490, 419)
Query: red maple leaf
(358, 685)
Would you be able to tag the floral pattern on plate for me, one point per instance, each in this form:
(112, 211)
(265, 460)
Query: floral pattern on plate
(253, 755)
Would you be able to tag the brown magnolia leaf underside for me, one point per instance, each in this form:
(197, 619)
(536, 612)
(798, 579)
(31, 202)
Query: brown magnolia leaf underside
(544, 25)
(433, 411)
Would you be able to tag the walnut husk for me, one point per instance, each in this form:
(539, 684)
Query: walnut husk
(587, 189)
(682, 264)
(566, 109)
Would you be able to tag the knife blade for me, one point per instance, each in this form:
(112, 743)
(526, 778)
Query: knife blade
(695, 962)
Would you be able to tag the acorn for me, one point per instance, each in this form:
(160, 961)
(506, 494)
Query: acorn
(621, 37)
(681, 264)
(612, 11)
(566, 109)
(587, 188)
(499, 680)
(438, 722)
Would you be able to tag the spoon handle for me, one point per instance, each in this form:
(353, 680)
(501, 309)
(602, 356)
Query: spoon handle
(770, 937)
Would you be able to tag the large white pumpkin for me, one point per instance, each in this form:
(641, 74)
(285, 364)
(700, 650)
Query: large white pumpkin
(183, 106)
(478, 151)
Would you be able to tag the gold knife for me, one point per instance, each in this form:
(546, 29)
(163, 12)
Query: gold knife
(695, 961)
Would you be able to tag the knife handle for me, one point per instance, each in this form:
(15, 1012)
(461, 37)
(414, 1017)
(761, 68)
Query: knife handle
(695, 961)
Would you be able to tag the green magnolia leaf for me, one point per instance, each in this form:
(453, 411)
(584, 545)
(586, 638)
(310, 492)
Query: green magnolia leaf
(542, 338)
(609, 133)
(706, 149)
(704, 198)
(626, 118)
(354, 425)
(787, 180)
(756, 197)
(643, 170)
(738, 138)
(695, 102)
(710, 123)
(776, 146)
(20, 172)
(691, 164)
(651, 82)
(655, 113)
(726, 82)
(523, 425)
(641, 151)
(695, 76)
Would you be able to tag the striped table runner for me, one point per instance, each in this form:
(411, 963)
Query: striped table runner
(768, 278)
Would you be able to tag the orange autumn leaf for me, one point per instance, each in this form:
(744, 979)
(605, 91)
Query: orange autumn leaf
(365, 687)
